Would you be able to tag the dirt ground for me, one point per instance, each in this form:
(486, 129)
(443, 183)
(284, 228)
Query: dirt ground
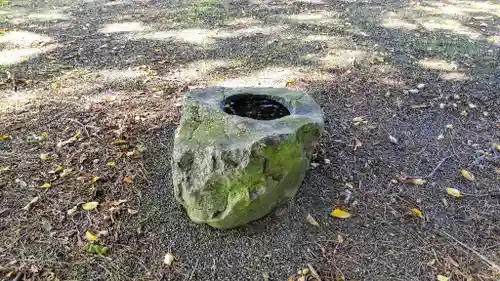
(89, 101)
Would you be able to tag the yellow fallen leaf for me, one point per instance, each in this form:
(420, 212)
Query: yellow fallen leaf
(442, 278)
(44, 135)
(4, 169)
(111, 164)
(95, 179)
(341, 214)
(4, 137)
(289, 81)
(417, 212)
(53, 85)
(416, 181)
(312, 220)
(497, 147)
(46, 185)
(449, 126)
(127, 180)
(90, 236)
(119, 142)
(89, 206)
(58, 169)
(467, 175)
(453, 192)
(96, 249)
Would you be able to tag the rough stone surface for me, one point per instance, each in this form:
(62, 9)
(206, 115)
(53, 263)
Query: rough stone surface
(229, 170)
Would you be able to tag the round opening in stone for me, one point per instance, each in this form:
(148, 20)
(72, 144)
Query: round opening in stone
(259, 107)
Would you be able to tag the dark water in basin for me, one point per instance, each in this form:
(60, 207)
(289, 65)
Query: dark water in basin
(257, 107)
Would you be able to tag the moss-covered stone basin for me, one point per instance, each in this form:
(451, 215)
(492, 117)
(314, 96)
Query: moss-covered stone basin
(239, 152)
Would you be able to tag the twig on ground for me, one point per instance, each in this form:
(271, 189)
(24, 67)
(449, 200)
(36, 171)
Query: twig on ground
(438, 165)
(83, 126)
(314, 273)
(194, 269)
(483, 258)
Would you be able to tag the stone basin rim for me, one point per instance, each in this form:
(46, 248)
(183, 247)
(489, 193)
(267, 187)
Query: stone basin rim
(299, 104)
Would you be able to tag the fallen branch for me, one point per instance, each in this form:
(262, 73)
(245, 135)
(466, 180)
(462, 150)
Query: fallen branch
(483, 258)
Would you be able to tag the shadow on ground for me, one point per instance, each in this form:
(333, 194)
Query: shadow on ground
(115, 71)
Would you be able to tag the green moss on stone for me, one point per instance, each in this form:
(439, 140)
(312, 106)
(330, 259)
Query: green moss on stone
(276, 170)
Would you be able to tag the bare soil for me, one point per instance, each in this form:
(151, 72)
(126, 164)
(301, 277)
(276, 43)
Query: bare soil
(90, 97)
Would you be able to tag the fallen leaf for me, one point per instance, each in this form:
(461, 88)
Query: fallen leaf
(119, 202)
(111, 164)
(71, 211)
(415, 181)
(442, 278)
(119, 142)
(289, 81)
(393, 139)
(467, 175)
(341, 214)
(127, 180)
(359, 120)
(89, 206)
(46, 185)
(83, 176)
(44, 135)
(53, 85)
(4, 169)
(74, 138)
(31, 203)
(417, 212)
(348, 185)
(58, 169)
(340, 238)
(103, 233)
(449, 126)
(96, 249)
(141, 148)
(453, 192)
(95, 179)
(440, 137)
(90, 236)
(357, 143)
(66, 172)
(48, 157)
(168, 259)
(132, 212)
(4, 137)
(305, 271)
(310, 219)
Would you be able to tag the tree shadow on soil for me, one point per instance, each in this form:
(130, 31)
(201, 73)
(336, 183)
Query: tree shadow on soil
(356, 59)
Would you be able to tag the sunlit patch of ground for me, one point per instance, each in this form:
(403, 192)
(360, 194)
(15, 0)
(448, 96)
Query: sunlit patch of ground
(422, 75)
